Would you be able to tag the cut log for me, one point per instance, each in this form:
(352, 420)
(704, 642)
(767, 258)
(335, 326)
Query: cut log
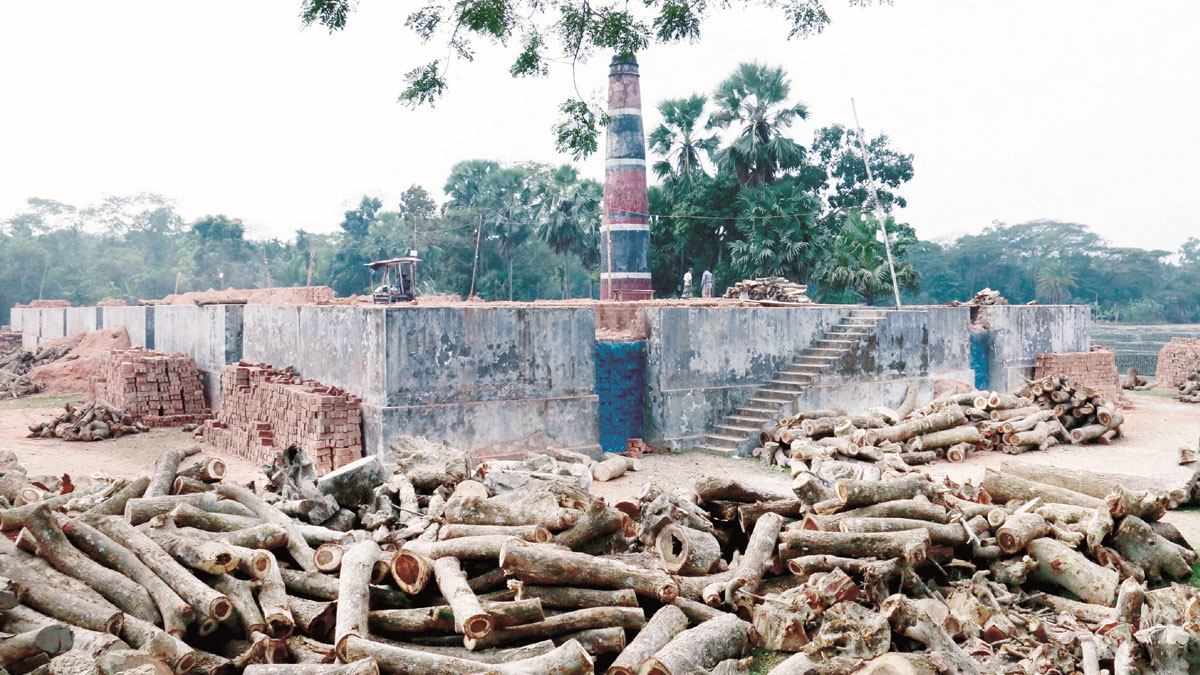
(532, 564)
(207, 469)
(568, 659)
(1148, 506)
(911, 545)
(614, 466)
(14, 518)
(477, 511)
(686, 551)
(942, 419)
(713, 488)
(911, 619)
(1004, 488)
(273, 600)
(754, 561)
(1019, 529)
(950, 534)
(1060, 565)
(210, 557)
(702, 647)
(441, 618)
(142, 509)
(52, 599)
(18, 489)
(22, 619)
(245, 610)
(53, 546)
(197, 594)
(411, 571)
(666, 623)
(352, 485)
(1129, 602)
(187, 486)
(325, 587)
(315, 619)
(560, 624)
(366, 666)
(597, 521)
(801, 663)
(946, 438)
(534, 533)
(328, 557)
(469, 617)
(854, 493)
(52, 639)
(896, 663)
(149, 638)
(1140, 545)
(566, 597)
(165, 468)
(175, 613)
(301, 552)
(597, 641)
(354, 596)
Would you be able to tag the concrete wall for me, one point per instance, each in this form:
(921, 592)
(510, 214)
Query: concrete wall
(212, 334)
(138, 322)
(82, 320)
(15, 315)
(1018, 333)
(702, 362)
(52, 323)
(1137, 346)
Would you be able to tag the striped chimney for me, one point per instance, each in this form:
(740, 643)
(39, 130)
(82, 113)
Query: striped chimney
(625, 226)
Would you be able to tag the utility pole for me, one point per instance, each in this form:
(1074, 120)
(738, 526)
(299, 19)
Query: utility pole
(475, 264)
(879, 214)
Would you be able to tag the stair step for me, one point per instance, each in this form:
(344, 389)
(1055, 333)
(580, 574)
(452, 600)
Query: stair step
(826, 350)
(718, 439)
(714, 450)
(746, 432)
(768, 401)
(787, 395)
(789, 386)
(847, 330)
(838, 342)
(821, 357)
(748, 420)
(751, 410)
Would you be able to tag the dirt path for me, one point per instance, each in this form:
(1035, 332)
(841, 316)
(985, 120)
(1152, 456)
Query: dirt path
(126, 456)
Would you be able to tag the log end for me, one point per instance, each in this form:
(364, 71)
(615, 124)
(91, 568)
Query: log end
(54, 639)
(411, 571)
(220, 608)
(280, 625)
(478, 626)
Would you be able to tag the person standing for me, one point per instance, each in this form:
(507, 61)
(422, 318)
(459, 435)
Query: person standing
(706, 284)
(687, 284)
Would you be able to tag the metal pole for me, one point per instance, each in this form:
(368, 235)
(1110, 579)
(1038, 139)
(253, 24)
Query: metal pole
(879, 214)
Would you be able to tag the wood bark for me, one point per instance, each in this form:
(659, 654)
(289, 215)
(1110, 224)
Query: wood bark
(301, 552)
(147, 637)
(566, 597)
(142, 509)
(53, 546)
(165, 468)
(687, 551)
(273, 600)
(469, 617)
(567, 622)
(1065, 567)
(853, 493)
(187, 486)
(364, 666)
(477, 511)
(534, 533)
(114, 505)
(714, 488)
(1140, 545)
(950, 534)
(354, 595)
(704, 647)
(322, 586)
(43, 594)
(1005, 487)
(754, 561)
(533, 564)
(197, 594)
(666, 623)
(911, 545)
(596, 641)
(52, 639)
(441, 617)
(598, 520)
(1019, 529)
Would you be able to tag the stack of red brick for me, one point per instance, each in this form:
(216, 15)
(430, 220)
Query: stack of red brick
(160, 390)
(45, 304)
(1176, 360)
(1096, 370)
(264, 410)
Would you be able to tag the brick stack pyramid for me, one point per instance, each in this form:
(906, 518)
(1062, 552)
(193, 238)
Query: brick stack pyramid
(1176, 360)
(1096, 370)
(159, 390)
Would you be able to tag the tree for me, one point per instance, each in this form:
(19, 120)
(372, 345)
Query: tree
(836, 170)
(217, 253)
(569, 29)
(1055, 281)
(779, 233)
(348, 273)
(753, 101)
(855, 266)
(567, 211)
(678, 140)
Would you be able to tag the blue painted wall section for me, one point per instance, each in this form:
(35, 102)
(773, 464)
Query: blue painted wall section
(620, 382)
(979, 359)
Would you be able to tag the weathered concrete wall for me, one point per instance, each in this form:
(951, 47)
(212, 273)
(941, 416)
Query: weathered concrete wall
(15, 316)
(82, 320)
(1137, 346)
(138, 322)
(212, 334)
(1018, 333)
(53, 323)
(336, 345)
(702, 362)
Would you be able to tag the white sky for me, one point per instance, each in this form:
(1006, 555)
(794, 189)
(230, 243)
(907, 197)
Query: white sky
(1079, 110)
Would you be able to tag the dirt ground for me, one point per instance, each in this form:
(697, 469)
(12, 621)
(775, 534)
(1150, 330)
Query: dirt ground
(1153, 432)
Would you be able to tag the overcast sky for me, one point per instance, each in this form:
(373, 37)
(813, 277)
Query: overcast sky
(1081, 110)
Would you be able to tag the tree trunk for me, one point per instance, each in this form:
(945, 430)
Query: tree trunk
(197, 594)
(567, 622)
(596, 641)
(142, 509)
(596, 522)
(441, 617)
(149, 638)
(354, 595)
(854, 493)
(352, 484)
(53, 546)
(686, 551)
(165, 468)
(476, 511)
(713, 488)
(207, 469)
(749, 572)
(950, 534)
(703, 647)
(469, 618)
(1004, 488)
(566, 597)
(946, 438)
(666, 623)
(14, 518)
(297, 545)
(325, 587)
(365, 666)
(536, 565)
(943, 419)
(911, 545)
(210, 557)
(273, 600)
(416, 661)
(93, 643)
(245, 609)
(801, 663)
(1065, 567)
(1018, 530)
(534, 533)
(1141, 546)
(50, 598)
(909, 618)
(315, 619)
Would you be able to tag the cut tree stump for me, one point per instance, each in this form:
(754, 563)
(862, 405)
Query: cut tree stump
(686, 551)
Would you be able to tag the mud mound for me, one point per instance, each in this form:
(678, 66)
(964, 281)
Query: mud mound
(299, 295)
(72, 374)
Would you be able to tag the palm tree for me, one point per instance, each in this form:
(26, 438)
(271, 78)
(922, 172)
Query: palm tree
(508, 200)
(753, 100)
(566, 208)
(779, 233)
(677, 140)
(1055, 282)
(856, 262)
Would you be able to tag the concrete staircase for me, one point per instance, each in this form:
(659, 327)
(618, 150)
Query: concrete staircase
(739, 432)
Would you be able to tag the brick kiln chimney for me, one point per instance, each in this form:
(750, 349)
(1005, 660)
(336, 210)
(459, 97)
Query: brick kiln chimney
(625, 225)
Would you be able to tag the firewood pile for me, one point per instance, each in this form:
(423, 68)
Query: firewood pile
(982, 299)
(16, 386)
(420, 568)
(160, 390)
(21, 361)
(9, 340)
(95, 420)
(1134, 381)
(773, 289)
(1048, 412)
(1189, 389)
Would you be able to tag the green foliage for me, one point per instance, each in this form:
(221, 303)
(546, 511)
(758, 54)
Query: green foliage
(678, 141)
(753, 102)
(778, 233)
(855, 267)
(570, 29)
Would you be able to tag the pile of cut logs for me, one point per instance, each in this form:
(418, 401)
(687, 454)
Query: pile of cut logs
(772, 289)
(982, 299)
(16, 386)
(1049, 411)
(20, 361)
(1134, 381)
(1189, 389)
(92, 421)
